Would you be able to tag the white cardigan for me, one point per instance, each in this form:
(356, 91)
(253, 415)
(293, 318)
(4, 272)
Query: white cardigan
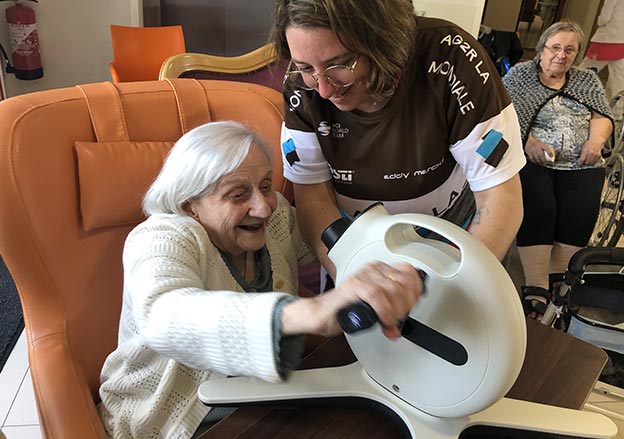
(610, 23)
(185, 320)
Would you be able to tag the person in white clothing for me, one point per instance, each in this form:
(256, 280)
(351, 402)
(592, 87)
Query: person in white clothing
(607, 46)
(210, 283)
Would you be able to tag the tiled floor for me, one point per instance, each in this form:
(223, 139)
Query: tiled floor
(18, 416)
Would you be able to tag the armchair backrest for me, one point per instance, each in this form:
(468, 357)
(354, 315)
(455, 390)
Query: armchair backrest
(260, 66)
(76, 163)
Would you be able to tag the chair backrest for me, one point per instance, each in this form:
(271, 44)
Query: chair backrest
(138, 52)
(76, 162)
(260, 66)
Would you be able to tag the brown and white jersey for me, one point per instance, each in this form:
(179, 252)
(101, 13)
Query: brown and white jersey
(449, 128)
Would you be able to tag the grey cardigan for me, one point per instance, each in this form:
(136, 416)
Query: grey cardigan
(529, 95)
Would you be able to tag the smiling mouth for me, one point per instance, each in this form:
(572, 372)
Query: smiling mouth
(344, 92)
(252, 227)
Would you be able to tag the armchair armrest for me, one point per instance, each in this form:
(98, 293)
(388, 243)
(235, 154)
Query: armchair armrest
(61, 386)
(176, 65)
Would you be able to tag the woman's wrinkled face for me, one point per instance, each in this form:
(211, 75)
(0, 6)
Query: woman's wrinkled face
(315, 49)
(236, 214)
(559, 53)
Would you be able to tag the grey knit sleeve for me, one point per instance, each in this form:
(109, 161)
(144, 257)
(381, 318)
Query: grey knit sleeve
(288, 349)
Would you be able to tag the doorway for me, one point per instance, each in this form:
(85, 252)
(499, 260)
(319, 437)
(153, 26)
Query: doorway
(535, 17)
(215, 27)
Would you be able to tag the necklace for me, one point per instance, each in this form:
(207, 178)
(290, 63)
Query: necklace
(375, 105)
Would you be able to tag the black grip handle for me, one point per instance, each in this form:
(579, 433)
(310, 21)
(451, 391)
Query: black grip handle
(595, 255)
(359, 316)
(591, 255)
(356, 317)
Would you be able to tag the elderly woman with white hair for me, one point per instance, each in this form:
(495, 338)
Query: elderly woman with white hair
(565, 122)
(209, 284)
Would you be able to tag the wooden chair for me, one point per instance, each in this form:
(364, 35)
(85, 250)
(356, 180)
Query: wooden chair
(138, 52)
(76, 163)
(260, 66)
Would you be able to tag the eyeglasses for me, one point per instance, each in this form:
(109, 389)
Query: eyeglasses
(339, 76)
(556, 50)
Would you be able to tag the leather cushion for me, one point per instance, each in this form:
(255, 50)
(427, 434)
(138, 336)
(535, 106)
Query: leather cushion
(113, 178)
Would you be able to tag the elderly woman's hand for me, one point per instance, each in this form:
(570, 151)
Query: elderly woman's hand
(600, 129)
(392, 291)
(591, 152)
(536, 151)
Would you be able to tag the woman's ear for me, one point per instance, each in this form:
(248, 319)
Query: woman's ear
(187, 207)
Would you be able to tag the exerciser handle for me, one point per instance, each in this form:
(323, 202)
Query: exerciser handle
(360, 315)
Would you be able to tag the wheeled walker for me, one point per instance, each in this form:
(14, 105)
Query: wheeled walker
(588, 302)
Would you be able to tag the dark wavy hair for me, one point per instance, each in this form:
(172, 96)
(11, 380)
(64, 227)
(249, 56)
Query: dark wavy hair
(382, 31)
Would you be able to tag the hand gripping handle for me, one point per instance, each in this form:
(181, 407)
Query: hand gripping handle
(360, 315)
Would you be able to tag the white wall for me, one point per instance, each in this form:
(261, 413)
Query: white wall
(74, 37)
(466, 13)
(584, 12)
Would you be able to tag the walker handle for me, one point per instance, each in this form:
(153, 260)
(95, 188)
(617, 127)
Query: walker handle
(592, 255)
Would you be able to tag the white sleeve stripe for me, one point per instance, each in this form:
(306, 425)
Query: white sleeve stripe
(480, 175)
(302, 157)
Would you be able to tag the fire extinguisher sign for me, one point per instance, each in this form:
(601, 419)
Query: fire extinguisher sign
(24, 42)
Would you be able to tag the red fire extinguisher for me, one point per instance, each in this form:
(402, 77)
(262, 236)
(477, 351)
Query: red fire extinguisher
(24, 42)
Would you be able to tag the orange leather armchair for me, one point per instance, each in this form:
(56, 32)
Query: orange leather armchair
(76, 163)
(138, 52)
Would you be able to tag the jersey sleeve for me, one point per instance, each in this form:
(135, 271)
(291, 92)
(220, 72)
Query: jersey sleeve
(483, 127)
(303, 159)
(491, 154)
